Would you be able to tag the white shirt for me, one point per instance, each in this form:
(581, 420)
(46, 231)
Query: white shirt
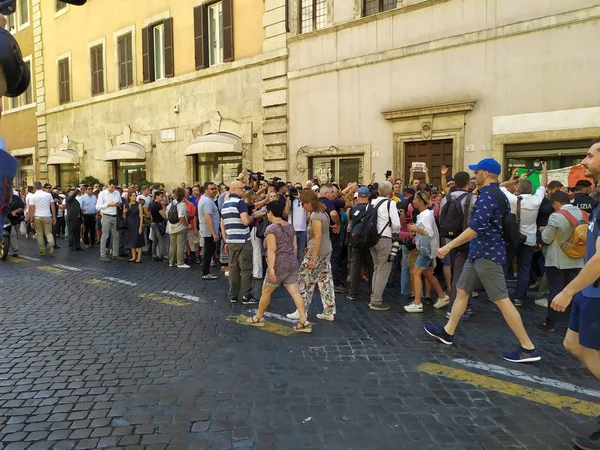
(530, 206)
(385, 214)
(298, 216)
(426, 221)
(104, 199)
(41, 200)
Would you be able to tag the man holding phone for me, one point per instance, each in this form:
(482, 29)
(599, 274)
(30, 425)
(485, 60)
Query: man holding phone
(108, 202)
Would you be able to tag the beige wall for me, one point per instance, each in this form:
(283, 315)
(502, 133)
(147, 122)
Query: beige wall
(342, 80)
(72, 32)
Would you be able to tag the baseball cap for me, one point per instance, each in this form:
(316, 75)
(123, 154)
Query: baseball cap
(364, 191)
(315, 188)
(583, 183)
(489, 165)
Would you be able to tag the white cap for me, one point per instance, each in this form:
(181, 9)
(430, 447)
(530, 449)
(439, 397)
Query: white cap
(315, 188)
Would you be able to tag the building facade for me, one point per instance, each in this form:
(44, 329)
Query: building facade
(18, 125)
(375, 85)
(166, 91)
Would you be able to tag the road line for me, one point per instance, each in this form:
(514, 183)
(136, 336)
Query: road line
(51, 269)
(16, 259)
(271, 327)
(29, 258)
(562, 402)
(273, 316)
(118, 280)
(73, 269)
(527, 377)
(183, 296)
(164, 300)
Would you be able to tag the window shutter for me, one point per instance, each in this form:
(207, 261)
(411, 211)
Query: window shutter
(169, 54)
(122, 62)
(147, 55)
(227, 30)
(200, 39)
(100, 64)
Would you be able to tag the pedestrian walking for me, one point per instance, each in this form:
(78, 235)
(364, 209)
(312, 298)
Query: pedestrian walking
(208, 219)
(42, 215)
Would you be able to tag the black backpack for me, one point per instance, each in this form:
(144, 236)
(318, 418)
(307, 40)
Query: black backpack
(172, 214)
(364, 227)
(452, 216)
(510, 222)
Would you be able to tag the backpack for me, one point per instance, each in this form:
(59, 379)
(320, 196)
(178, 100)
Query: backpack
(364, 227)
(172, 214)
(510, 222)
(452, 216)
(574, 247)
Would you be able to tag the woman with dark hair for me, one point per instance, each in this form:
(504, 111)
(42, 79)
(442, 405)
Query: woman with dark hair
(177, 230)
(158, 226)
(316, 265)
(280, 242)
(134, 236)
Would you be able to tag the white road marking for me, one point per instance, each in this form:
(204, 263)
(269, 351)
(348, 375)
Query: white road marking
(29, 258)
(527, 377)
(274, 316)
(183, 296)
(74, 269)
(118, 280)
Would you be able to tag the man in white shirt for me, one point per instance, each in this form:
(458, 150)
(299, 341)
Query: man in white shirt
(388, 222)
(42, 215)
(527, 213)
(108, 202)
(297, 217)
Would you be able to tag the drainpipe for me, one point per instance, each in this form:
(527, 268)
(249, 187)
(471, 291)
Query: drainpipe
(287, 16)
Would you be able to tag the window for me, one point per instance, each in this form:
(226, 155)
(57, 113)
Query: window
(377, 6)
(213, 33)
(60, 5)
(26, 98)
(23, 11)
(11, 24)
(125, 57)
(97, 69)
(130, 172)
(218, 167)
(343, 169)
(157, 49)
(313, 15)
(64, 81)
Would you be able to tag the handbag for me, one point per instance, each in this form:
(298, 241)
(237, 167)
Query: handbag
(261, 228)
(122, 224)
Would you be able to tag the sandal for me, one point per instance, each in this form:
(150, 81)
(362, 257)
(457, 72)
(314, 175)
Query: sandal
(303, 327)
(255, 321)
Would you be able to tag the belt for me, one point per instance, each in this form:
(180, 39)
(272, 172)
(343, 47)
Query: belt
(109, 215)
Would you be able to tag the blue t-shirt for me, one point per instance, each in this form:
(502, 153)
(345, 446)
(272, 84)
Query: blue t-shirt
(590, 249)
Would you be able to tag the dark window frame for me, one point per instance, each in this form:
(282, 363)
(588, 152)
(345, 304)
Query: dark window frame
(149, 74)
(97, 69)
(201, 36)
(125, 61)
(380, 5)
(64, 81)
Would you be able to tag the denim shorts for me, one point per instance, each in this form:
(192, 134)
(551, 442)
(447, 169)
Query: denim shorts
(424, 262)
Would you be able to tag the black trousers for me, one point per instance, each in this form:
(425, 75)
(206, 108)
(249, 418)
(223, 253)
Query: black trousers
(89, 229)
(358, 258)
(558, 279)
(210, 247)
(75, 233)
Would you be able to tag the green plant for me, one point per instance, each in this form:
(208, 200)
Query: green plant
(89, 180)
(154, 184)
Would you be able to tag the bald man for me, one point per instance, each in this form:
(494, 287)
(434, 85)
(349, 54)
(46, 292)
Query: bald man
(235, 222)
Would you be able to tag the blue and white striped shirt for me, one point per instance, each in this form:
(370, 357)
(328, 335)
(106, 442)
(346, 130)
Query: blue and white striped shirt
(237, 232)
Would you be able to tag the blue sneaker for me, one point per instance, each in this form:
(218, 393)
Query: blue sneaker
(511, 278)
(522, 356)
(439, 333)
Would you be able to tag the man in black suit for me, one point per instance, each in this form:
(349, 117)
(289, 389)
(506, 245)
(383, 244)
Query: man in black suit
(74, 220)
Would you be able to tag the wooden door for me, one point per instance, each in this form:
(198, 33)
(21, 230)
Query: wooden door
(433, 153)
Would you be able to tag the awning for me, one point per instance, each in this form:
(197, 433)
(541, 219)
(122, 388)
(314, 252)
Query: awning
(215, 143)
(129, 150)
(63, 157)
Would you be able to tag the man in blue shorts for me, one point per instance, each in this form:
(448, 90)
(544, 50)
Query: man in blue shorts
(583, 335)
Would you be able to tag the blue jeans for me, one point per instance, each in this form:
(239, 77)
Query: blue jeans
(524, 257)
(405, 274)
(301, 239)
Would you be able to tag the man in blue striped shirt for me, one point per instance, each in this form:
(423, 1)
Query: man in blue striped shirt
(235, 222)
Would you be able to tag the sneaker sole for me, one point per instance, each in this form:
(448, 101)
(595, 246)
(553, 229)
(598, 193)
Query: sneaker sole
(443, 341)
(374, 308)
(412, 311)
(438, 306)
(526, 360)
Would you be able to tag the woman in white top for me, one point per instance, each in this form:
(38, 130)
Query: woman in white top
(427, 241)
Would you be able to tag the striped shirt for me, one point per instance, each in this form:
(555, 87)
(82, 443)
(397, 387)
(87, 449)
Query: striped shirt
(237, 232)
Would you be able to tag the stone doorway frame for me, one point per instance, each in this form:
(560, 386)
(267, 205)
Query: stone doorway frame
(428, 123)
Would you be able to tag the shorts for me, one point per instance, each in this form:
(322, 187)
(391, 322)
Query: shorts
(412, 257)
(491, 275)
(585, 320)
(192, 241)
(98, 223)
(447, 261)
(424, 262)
(285, 278)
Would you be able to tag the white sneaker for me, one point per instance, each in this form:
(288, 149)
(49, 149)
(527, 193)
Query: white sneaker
(226, 273)
(543, 302)
(295, 315)
(183, 266)
(412, 308)
(441, 302)
(474, 294)
(326, 316)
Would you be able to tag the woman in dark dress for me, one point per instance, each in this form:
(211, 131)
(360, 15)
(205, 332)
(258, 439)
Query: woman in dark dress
(134, 237)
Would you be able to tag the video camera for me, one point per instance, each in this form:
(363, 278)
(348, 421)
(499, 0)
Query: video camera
(272, 181)
(255, 176)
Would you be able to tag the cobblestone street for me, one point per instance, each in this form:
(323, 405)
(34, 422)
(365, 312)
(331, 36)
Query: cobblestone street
(121, 355)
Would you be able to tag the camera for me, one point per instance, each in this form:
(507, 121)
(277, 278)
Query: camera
(394, 250)
(272, 181)
(255, 176)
